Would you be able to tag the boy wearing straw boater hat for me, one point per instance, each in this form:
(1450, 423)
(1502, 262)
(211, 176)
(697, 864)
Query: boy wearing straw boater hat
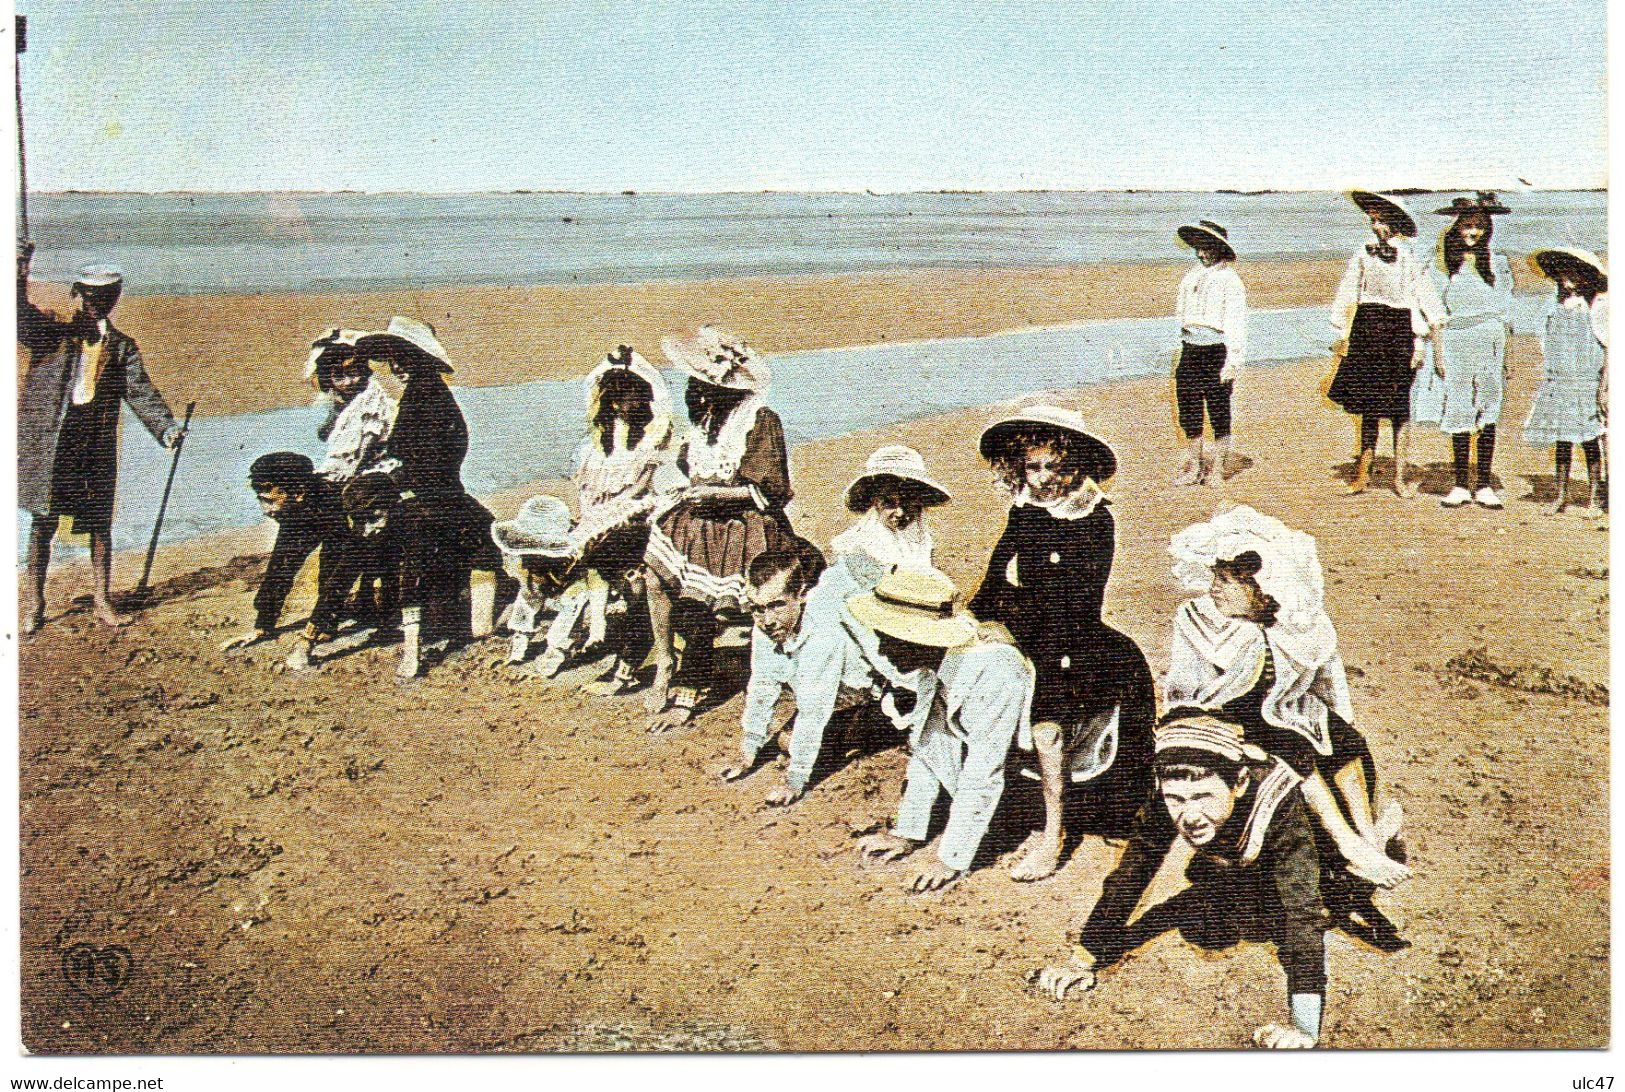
(1212, 317)
(973, 696)
(1230, 817)
(805, 644)
(1386, 304)
(1571, 404)
(80, 371)
(310, 518)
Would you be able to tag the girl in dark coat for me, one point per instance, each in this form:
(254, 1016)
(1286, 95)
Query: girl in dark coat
(440, 531)
(1095, 701)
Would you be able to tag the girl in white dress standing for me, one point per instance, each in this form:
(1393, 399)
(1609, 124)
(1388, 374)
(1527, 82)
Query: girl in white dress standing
(1463, 391)
(1571, 405)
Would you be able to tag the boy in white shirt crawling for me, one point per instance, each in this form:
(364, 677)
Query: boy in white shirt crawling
(1212, 317)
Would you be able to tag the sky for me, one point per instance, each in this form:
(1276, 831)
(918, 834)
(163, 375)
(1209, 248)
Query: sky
(436, 96)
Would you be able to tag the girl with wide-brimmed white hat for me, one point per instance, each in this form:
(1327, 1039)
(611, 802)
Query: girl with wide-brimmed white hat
(1571, 404)
(1046, 584)
(1462, 392)
(731, 509)
(891, 496)
(1212, 317)
(1385, 305)
(1256, 646)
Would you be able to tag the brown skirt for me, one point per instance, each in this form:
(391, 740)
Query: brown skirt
(703, 549)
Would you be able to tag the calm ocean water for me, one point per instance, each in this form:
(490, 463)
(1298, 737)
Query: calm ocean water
(201, 243)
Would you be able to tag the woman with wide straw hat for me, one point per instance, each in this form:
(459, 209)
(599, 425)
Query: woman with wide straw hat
(441, 532)
(1571, 404)
(1385, 305)
(1046, 584)
(891, 497)
(1212, 317)
(1463, 391)
(732, 508)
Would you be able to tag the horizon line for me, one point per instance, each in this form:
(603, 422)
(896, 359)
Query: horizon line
(942, 192)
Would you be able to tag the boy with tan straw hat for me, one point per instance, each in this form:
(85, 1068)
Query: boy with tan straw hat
(973, 693)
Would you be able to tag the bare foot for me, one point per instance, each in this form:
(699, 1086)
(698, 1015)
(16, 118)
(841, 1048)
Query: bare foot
(1370, 865)
(670, 721)
(1559, 506)
(1042, 859)
(782, 797)
(108, 615)
(1403, 488)
(659, 690)
(31, 618)
(409, 667)
(1189, 473)
(734, 773)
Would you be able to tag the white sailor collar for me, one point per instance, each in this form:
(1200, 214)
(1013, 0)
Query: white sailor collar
(1075, 505)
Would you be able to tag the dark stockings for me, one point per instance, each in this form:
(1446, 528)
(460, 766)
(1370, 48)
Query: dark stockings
(1459, 445)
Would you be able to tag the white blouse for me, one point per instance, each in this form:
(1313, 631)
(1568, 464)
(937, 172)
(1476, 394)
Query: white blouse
(1403, 283)
(1214, 297)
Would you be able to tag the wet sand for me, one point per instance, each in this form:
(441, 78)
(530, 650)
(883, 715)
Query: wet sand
(476, 861)
(240, 354)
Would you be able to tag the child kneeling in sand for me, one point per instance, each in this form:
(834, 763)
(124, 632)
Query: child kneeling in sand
(309, 517)
(1236, 816)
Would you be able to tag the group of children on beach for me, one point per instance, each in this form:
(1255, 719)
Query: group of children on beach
(1251, 779)
(1391, 308)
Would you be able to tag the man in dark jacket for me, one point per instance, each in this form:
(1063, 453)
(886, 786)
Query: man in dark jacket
(79, 372)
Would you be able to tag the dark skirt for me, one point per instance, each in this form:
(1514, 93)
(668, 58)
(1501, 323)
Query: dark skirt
(439, 540)
(1374, 377)
(703, 549)
(85, 475)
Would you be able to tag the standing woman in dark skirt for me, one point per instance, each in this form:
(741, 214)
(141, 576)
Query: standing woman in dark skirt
(1386, 304)
(1046, 583)
(441, 532)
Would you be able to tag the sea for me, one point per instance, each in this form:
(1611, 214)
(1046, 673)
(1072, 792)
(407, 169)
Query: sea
(178, 243)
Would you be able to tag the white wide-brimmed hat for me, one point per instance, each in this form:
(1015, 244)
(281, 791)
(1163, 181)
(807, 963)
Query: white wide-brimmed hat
(99, 275)
(1207, 233)
(335, 343)
(542, 527)
(412, 337)
(712, 355)
(1205, 732)
(894, 461)
(915, 606)
(1390, 208)
(1099, 458)
(1291, 572)
(1556, 261)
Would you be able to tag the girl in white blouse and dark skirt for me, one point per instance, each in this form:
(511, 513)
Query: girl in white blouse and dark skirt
(1386, 304)
(1212, 317)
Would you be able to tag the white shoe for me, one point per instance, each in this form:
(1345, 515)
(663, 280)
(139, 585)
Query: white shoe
(1458, 497)
(1486, 498)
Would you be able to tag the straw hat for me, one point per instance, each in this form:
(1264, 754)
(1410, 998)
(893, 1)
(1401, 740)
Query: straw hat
(1203, 732)
(1388, 207)
(1207, 233)
(1485, 202)
(1100, 459)
(99, 275)
(542, 527)
(1557, 261)
(917, 607)
(335, 344)
(410, 337)
(894, 461)
(717, 357)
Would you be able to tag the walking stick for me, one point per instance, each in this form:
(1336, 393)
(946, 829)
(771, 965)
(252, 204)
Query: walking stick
(22, 154)
(141, 589)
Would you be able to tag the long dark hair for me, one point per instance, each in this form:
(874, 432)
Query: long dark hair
(1455, 252)
(623, 381)
(709, 405)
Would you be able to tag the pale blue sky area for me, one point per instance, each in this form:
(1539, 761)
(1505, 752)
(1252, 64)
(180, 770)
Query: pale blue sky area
(929, 94)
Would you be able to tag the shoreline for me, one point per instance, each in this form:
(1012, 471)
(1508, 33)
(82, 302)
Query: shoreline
(243, 354)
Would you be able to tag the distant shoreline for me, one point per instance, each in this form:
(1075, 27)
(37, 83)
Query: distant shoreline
(862, 191)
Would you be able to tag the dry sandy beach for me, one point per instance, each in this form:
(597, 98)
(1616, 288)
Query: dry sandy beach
(335, 863)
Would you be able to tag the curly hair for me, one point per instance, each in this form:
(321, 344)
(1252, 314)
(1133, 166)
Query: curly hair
(1009, 463)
